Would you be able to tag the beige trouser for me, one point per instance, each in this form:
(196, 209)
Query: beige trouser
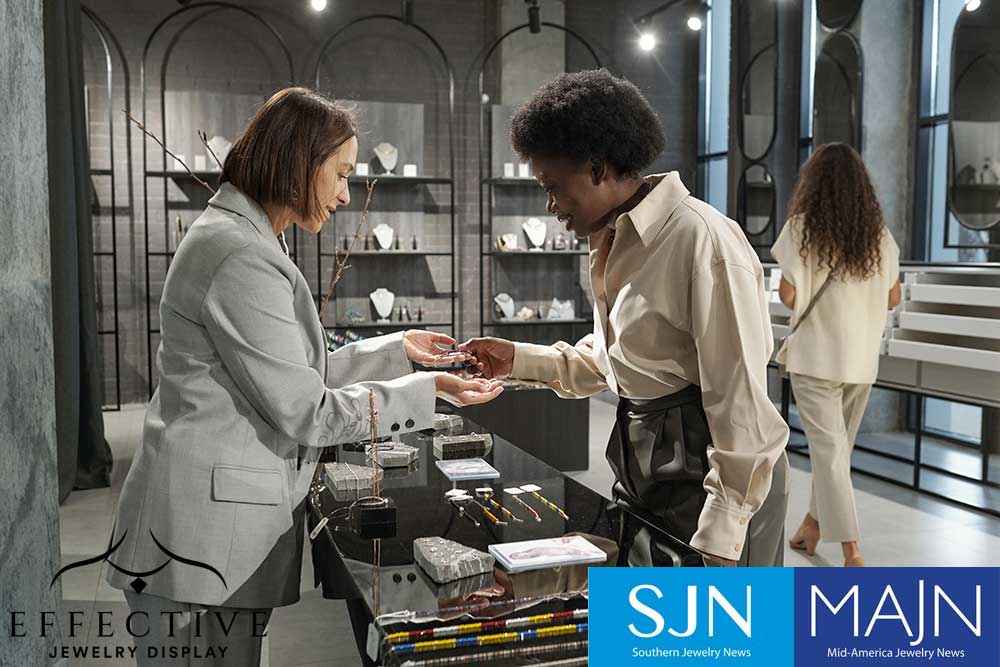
(831, 413)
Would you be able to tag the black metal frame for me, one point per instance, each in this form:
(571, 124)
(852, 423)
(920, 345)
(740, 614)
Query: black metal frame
(946, 118)
(838, 28)
(950, 170)
(857, 97)
(211, 6)
(449, 181)
(109, 40)
(747, 161)
(487, 184)
(741, 139)
(919, 398)
(741, 195)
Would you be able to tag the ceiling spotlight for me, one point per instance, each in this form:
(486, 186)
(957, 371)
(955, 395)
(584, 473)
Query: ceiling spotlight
(317, 5)
(972, 5)
(694, 23)
(647, 42)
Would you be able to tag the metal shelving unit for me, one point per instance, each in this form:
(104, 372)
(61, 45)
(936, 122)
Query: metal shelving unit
(110, 44)
(491, 186)
(397, 181)
(164, 175)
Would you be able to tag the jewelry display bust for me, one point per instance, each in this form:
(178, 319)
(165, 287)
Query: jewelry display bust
(383, 236)
(383, 300)
(388, 156)
(505, 305)
(536, 232)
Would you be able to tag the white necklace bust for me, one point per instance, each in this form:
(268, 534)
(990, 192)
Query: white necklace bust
(388, 156)
(506, 305)
(383, 300)
(383, 234)
(536, 232)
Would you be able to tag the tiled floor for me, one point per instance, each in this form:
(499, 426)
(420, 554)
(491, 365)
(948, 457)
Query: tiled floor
(898, 526)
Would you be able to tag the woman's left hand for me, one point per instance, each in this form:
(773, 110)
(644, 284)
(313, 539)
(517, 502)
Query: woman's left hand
(431, 349)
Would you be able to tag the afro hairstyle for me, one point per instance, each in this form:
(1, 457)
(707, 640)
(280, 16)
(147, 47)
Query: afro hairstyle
(589, 115)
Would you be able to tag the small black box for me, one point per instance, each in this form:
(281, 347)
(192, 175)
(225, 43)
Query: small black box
(371, 521)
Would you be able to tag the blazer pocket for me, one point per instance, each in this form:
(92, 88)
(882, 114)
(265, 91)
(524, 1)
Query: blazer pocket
(240, 484)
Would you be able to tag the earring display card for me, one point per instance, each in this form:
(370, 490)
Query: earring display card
(458, 470)
(462, 446)
(551, 552)
(444, 560)
(349, 481)
(399, 456)
(444, 422)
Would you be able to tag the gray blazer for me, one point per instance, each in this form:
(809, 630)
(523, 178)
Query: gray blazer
(247, 388)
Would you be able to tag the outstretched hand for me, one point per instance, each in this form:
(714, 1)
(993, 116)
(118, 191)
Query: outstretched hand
(428, 348)
(494, 356)
(459, 391)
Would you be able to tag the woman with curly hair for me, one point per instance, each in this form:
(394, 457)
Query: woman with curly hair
(681, 328)
(834, 233)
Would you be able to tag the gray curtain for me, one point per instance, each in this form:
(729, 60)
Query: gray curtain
(84, 456)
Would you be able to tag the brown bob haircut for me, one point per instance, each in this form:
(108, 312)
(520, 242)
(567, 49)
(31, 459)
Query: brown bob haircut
(276, 159)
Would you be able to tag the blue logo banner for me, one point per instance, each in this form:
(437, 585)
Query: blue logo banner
(691, 616)
(897, 616)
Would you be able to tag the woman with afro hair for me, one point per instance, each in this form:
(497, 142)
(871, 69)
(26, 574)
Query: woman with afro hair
(681, 327)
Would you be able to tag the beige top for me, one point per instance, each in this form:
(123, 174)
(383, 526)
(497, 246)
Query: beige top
(840, 339)
(679, 299)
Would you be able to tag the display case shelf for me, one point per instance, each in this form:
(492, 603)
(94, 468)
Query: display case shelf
(533, 253)
(395, 179)
(389, 325)
(511, 181)
(391, 253)
(937, 353)
(536, 322)
(965, 295)
(181, 175)
(979, 327)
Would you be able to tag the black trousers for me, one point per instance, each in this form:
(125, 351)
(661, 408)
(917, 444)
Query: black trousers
(658, 451)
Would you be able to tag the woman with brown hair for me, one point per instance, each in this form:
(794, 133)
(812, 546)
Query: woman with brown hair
(209, 532)
(839, 274)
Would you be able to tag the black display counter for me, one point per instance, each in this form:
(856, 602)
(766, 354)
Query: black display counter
(343, 561)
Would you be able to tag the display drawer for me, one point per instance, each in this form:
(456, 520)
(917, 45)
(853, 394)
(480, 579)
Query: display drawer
(955, 294)
(980, 327)
(986, 360)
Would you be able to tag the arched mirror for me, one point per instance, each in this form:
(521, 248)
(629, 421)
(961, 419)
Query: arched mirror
(837, 94)
(837, 14)
(755, 200)
(759, 79)
(974, 174)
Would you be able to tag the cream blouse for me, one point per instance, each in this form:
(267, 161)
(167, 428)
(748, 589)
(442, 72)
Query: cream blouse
(840, 339)
(679, 299)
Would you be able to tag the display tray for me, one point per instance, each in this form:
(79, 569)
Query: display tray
(409, 600)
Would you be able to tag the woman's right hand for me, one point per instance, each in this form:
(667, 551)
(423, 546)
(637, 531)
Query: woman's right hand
(495, 356)
(459, 391)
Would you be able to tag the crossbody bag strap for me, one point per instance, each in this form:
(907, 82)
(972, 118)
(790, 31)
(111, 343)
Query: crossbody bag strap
(826, 283)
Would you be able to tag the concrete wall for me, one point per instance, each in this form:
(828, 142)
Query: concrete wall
(889, 109)
(29, 531)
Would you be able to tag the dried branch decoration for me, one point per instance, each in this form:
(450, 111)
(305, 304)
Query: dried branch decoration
(341, 261)
(167, 150)
(203, 136)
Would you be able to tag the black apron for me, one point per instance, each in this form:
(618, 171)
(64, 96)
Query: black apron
(658, 451)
